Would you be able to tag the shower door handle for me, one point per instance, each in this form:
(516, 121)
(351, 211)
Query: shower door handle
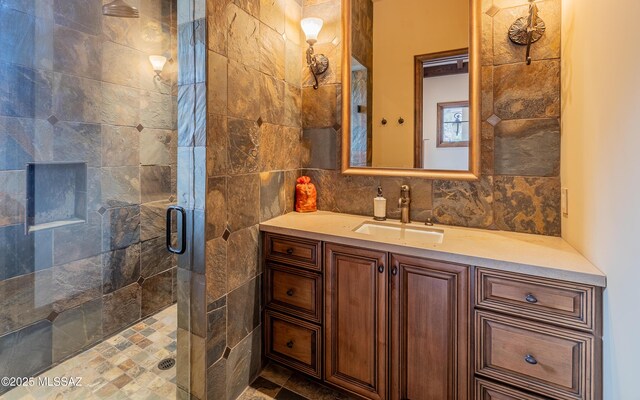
(183, 231)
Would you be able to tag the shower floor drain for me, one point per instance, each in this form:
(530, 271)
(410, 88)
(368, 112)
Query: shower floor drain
(167, 363)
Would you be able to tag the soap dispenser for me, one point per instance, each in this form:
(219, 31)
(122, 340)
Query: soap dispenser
(379, 206)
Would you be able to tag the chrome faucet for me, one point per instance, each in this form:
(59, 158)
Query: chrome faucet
(403, 203)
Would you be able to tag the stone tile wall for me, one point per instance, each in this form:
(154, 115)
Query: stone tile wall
(520, 185)
(253, 153)
(78, 87)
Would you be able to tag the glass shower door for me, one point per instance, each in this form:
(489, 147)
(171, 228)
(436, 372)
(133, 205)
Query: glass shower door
(88, 168)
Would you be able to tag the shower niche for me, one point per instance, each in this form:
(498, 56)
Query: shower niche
(56, 195)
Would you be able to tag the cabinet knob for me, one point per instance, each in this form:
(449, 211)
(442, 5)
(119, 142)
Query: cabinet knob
(530, 359)
(531, 299)
(290, 250)
(290, 292)
(290, 344)
(394, 271)
(381, 268)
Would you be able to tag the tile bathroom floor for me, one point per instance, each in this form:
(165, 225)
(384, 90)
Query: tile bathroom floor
(278, 383)
(122, 367)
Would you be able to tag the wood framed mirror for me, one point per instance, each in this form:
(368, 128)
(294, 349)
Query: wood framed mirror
(409, 68)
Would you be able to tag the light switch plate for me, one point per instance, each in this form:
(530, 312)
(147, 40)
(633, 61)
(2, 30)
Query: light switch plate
(564, 201)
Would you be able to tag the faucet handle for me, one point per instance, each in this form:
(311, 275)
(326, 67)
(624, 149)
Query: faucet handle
(405, 197)
(429, 221)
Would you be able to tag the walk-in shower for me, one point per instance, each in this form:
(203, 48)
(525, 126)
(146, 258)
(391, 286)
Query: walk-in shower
(88, 168)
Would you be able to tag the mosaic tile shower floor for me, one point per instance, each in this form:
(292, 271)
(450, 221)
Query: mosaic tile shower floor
(122, 367)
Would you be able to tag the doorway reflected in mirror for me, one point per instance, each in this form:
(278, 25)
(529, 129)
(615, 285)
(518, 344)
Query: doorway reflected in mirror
(442, 111)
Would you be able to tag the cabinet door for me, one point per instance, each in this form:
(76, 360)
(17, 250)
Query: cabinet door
(356, 282)
(430, 330)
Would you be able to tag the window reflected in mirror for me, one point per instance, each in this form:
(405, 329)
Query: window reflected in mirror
(453, 124)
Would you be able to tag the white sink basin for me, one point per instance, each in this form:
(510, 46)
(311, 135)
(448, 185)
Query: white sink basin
(413, 233)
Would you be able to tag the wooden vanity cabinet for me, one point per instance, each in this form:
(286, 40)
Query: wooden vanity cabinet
(393, 327)
(426, 319)
(538, 335)
(293, 291)
(356, 300)
(430, 340)
(387, 326)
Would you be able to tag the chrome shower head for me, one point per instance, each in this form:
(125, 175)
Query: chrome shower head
(119, 8)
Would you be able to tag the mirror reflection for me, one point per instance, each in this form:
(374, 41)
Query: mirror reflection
(410, 84)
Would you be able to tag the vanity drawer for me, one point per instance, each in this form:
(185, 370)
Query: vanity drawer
(300, 252)
(487, 390)
(555, 302)
(550, 361)
(294, 291)
(293, 342)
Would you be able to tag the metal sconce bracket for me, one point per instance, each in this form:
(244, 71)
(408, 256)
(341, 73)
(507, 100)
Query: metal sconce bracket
(161, 80)
(158, 73)
(318, 64)
(528, 30)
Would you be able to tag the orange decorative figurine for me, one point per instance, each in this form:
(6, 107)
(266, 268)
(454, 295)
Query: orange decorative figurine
(306, 196)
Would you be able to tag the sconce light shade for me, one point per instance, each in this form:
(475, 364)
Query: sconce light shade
(311, 28)
(158, 63)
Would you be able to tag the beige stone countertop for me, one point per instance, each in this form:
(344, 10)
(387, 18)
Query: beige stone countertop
(537, 255)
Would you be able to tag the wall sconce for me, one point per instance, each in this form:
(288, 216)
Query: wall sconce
(317, 63)
(158, 62)
(528, 30)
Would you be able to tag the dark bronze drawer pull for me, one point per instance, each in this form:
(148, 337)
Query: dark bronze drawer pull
(394, 271)
(290, 344)
(531, 299)
(290, 292)
(381, 268)
(290, 251)
(530, 359)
